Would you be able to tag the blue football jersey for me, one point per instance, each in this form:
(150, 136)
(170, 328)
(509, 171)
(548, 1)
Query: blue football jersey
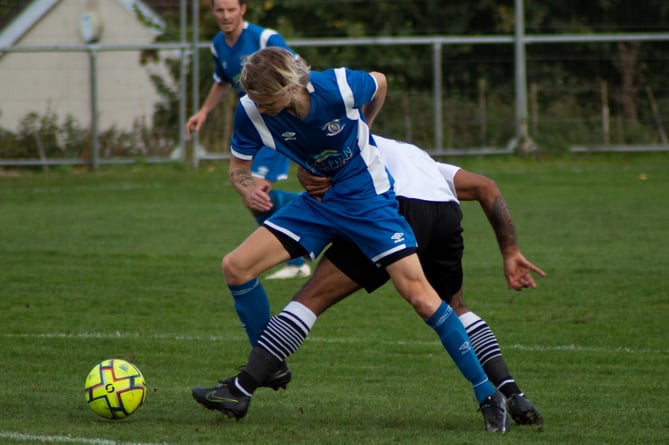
(333, 136)
(228, 62)
(229, 59)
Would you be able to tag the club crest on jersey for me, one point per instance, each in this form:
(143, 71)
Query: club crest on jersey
(398, 237)
(288, 136)
(333, 127)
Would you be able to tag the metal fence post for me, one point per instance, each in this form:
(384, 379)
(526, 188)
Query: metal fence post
(182, 80)
(93, 65)
(438, 106)
(196, 79)
(521, 75)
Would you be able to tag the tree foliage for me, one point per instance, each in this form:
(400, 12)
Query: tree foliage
(570, 81)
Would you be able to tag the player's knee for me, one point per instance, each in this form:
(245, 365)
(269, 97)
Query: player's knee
(424, 303)
(233, 272)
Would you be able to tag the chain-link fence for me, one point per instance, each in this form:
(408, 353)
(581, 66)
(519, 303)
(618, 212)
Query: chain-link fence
(86, 83)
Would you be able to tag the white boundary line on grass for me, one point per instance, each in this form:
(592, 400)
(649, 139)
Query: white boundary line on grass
(20, 437)
(350, 340)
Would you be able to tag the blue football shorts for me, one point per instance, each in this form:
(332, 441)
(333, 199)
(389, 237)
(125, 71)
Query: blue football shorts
(438, 229)
(305, 226)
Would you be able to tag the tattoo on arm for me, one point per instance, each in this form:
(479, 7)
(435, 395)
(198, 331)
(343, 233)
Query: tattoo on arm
(242, 177)
(500, 217)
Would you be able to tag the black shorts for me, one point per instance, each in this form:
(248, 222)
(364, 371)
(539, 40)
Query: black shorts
(438, 230)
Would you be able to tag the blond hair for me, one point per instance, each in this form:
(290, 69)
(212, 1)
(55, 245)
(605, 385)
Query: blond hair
(272, 71)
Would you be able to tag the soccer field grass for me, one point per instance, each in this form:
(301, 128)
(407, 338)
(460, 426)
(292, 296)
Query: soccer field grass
(125, 262)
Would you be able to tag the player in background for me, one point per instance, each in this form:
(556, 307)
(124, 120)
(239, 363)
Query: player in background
(429, 194)
(236, 40)
(321, 120)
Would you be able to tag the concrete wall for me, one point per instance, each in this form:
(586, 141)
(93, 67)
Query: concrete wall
(37, 82)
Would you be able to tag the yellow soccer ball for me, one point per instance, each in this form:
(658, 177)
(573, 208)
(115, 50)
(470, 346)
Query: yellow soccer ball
(115, 389)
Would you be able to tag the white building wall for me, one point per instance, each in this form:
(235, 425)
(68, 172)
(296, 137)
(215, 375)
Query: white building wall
(38, 82)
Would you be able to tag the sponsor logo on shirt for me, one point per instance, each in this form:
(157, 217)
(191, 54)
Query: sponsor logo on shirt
(329, 161)
(324, 155)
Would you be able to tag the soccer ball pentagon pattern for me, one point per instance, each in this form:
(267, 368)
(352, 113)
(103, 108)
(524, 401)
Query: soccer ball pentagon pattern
(115, 389)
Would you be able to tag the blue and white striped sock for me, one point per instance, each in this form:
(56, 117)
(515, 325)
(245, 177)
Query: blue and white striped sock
(488, 351)
(287, 331)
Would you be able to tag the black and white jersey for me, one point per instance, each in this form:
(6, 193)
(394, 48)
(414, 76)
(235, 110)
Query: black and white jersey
(417, 175)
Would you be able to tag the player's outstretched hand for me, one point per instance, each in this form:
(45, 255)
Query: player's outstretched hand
(518, 271)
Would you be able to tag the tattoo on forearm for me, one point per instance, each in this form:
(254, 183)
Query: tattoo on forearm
(242, 178)
(502, 223)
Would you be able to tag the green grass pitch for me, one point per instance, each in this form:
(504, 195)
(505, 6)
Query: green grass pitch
(125, 262)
